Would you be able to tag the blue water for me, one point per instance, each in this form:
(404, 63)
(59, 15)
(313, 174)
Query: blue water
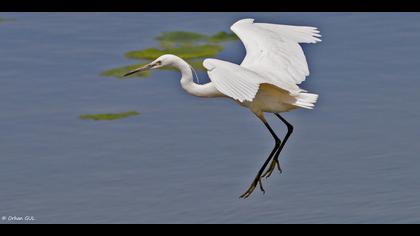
(354, 159)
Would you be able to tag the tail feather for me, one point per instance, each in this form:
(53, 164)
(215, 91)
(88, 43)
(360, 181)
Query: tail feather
(306, 100)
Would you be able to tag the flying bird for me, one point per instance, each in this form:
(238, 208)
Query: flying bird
(265, 82)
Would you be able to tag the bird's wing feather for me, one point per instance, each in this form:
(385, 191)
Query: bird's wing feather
(238, 82)
(273, 50)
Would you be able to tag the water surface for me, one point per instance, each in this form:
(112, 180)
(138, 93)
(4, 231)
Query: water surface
(354, 159)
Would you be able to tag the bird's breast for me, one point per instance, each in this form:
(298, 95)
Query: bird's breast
(269, 98)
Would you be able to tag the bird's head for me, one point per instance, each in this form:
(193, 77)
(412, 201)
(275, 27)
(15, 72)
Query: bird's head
(164, 60)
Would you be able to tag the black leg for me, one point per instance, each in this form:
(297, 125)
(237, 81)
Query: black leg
(257, 179)
(275, 161)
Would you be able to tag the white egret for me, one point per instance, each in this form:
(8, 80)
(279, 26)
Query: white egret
(266, 80)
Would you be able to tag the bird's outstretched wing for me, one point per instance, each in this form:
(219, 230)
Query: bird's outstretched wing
(274, 56)
(241, 83)
(273, 50)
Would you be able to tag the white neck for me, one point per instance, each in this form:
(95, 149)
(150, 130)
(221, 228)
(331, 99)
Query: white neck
(187, 83)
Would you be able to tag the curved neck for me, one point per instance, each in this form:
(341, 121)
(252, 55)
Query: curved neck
(187, 83)
(186, 71)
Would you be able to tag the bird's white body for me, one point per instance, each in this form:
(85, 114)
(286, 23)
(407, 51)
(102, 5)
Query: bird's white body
(266, 80)
(269, 98)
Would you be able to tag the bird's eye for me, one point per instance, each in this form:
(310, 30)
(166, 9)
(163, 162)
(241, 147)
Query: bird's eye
(159, 63)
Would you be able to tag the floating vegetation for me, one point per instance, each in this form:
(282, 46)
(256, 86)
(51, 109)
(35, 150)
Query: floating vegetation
(185, 52)
(108, 116)
(182, 38)
(175, 38)
(6, 19)
(192, 47)
(222, 37)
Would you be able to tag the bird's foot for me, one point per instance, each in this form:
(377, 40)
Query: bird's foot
(251, 188)
(274, 163)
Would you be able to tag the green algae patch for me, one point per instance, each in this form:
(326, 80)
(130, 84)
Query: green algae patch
(108, 116)
(3, 20)
(185, 52)
(190, 46)
(120, 71)
(180, 37)
(223, 37)
(6, 19)
(188, 38)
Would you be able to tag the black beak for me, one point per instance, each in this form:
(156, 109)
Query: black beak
(143, 68)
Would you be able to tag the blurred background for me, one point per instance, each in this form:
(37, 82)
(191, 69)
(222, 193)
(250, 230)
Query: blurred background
(181, 159)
